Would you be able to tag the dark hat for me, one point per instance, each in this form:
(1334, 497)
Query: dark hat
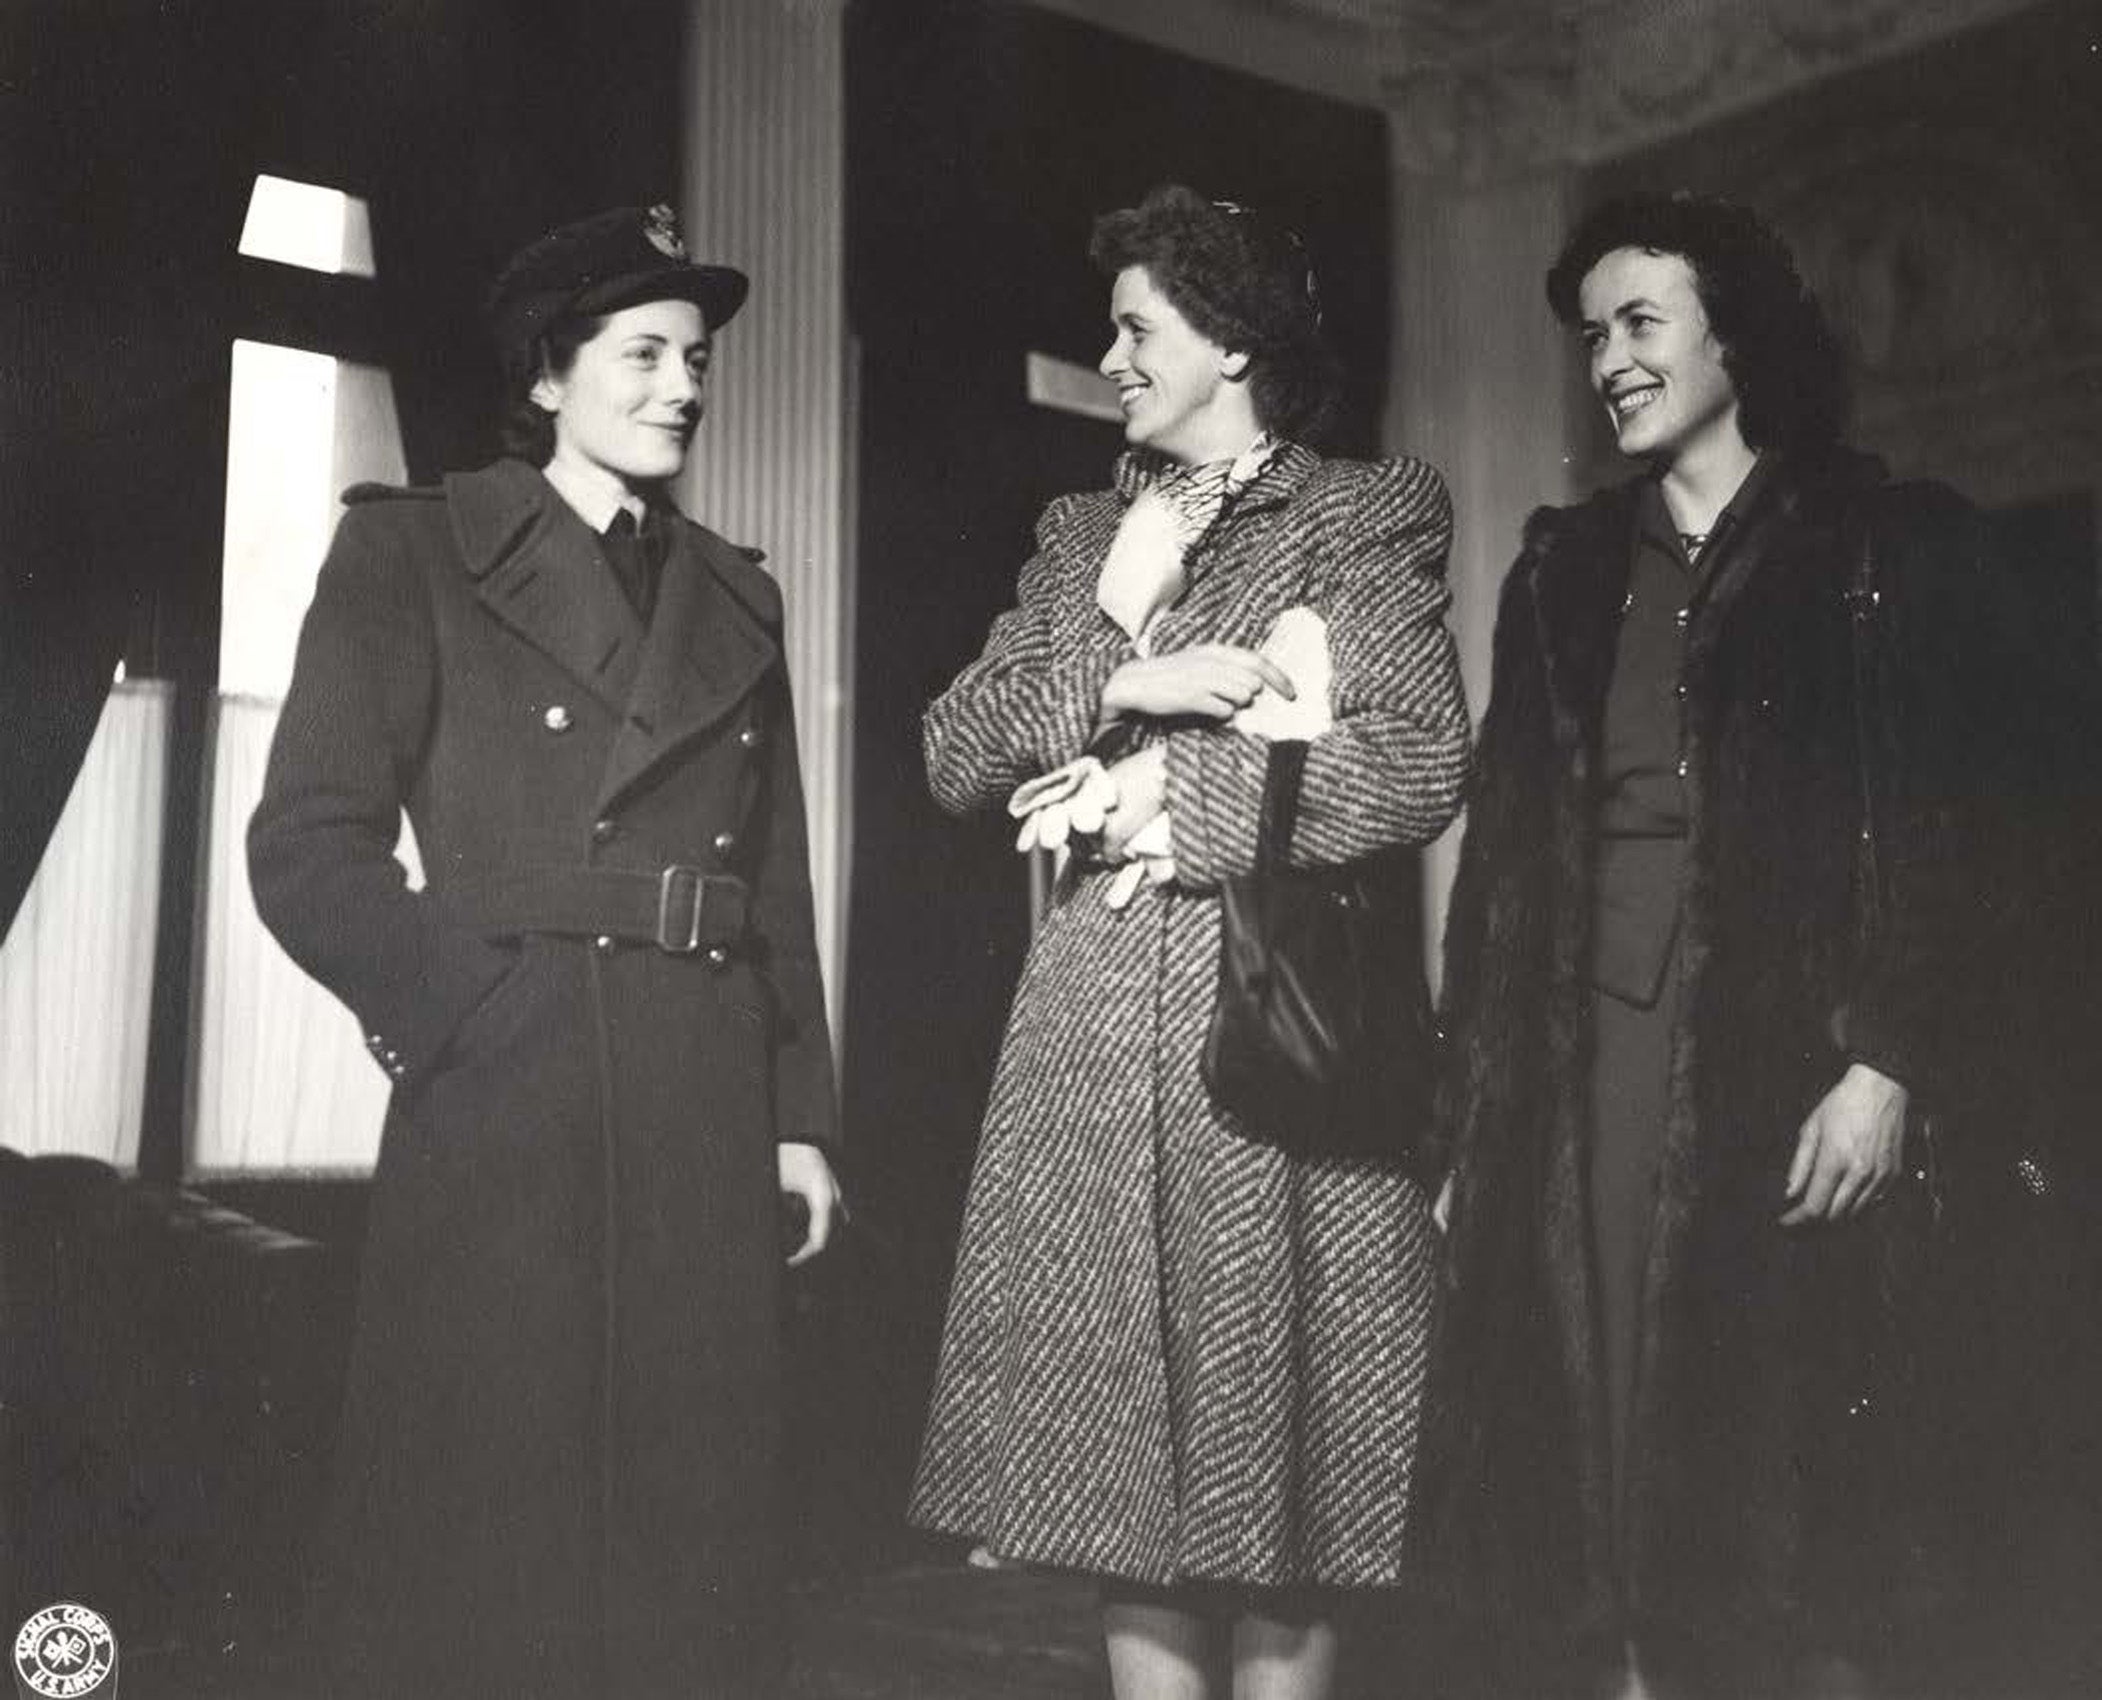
(598, 265)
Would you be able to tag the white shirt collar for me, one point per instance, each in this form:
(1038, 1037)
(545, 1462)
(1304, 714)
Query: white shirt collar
(596, 494)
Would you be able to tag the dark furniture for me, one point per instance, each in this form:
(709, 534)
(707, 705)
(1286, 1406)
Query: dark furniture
(167, 1386)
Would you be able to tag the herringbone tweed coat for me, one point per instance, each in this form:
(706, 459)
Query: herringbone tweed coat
(1173, 1353)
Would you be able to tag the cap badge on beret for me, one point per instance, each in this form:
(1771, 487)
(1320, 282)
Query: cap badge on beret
(661, 226)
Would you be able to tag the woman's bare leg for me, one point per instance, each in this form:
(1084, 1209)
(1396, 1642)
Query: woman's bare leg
(1274, 1660)
(1156, 1652)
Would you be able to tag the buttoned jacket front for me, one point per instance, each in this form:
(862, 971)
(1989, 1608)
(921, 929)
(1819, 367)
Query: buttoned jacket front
(568, 1333)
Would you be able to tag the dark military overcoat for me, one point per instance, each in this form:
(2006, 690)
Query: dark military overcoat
(559, 1455)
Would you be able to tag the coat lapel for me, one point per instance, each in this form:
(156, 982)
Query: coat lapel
(1213, 580)
(538, 570)
(1580, 580)
(1282, 475)
(705, 651)
(1795, 532)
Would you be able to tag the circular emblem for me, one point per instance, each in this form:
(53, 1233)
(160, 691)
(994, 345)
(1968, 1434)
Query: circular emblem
(63, 1651)
(661, 226)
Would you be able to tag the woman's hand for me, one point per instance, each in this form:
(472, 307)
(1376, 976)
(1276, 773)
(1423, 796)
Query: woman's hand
(1849, 1150)
(806, 1174)
(1141, 781)
(1211, 680)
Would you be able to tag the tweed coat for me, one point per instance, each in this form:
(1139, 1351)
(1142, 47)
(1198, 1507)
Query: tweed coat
(1775, 1473)
(558, 1458)
(1172, 1353)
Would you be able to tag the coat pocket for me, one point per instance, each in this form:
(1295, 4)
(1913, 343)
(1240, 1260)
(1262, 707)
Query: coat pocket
(496, 1024)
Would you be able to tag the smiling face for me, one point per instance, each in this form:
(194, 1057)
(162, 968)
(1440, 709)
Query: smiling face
(630, 400)
(1654, 361)
(1181, 392)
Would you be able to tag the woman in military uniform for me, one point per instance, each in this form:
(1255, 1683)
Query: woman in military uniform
(603, 1017)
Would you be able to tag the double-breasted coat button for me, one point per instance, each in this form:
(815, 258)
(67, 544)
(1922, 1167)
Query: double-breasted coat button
(1683, 767)
(557, 718)
(749, 737)
(718, 957)
(603, 943)
(604, 831)
(724, 843)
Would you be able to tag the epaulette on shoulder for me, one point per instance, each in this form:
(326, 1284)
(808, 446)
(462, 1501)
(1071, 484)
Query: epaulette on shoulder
(373, 491)
(755, 555)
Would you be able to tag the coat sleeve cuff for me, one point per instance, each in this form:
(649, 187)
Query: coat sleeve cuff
(1215, 798)
(409, 1031)
(1863, 1039)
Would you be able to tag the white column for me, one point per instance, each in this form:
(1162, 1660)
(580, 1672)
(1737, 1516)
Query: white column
(764, 190)
(1480, 388)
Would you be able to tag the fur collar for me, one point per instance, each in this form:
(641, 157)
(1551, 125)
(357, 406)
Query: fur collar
(1575, 561)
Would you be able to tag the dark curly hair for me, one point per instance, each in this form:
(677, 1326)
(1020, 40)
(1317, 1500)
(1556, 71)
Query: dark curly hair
(527, 429)
(1243, 281)
(1778, 346)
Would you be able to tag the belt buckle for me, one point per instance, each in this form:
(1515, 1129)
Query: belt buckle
(690, 885)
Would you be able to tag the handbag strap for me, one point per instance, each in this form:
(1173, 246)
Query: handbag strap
(1281, 780)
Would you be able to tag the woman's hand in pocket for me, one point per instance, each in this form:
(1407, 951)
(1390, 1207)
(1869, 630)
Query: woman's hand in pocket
(494, 1021)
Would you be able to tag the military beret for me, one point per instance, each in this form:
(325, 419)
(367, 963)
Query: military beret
(598, 265)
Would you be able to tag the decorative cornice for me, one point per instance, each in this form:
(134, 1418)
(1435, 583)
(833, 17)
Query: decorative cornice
(1480, 89)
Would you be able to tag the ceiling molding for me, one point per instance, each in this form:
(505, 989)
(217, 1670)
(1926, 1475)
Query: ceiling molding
(1509, 86)
(1479, 90)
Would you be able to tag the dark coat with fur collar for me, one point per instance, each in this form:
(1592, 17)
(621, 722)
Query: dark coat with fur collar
(1760, 1454)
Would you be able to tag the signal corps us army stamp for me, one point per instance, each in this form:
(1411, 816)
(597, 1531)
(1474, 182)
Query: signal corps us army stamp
(65, 1652)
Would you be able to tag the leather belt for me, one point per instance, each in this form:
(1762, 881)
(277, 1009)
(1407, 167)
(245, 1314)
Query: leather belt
(679, 909)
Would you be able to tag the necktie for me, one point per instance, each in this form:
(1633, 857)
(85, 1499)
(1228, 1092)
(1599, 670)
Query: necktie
(636, 558)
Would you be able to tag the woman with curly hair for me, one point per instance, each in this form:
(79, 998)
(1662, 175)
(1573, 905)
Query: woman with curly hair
(1709, 950)
(1177, 1357)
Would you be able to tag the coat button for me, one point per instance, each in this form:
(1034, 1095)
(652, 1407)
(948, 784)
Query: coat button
(724, 843)
(557, 718)
(604, 831)
(749, 737)
(1682, 616)
(603, 943)
(718, 957)
(1683, 767)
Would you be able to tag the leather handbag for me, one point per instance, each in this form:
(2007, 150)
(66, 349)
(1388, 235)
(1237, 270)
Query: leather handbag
(1321, 1040)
